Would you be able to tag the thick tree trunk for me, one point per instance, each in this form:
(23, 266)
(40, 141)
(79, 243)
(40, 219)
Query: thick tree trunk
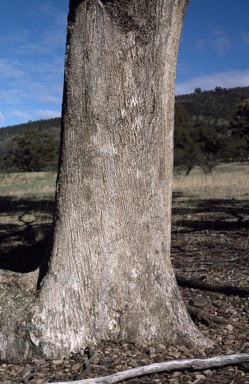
(110, 275)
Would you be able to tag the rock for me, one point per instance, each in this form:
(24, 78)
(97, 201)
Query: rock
(230, 328)
(76, 367)
(199, 377)
(160, 346)
(199, 301)
(117, 360)
(152, 352)
(40, 362)
(57, 362)
(174, 354)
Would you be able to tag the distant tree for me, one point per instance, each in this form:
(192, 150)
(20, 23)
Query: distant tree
(232, 148)
(33, 151)
(206, 137)
(186, 150)
(239, 124)
(217, 89)
(197, 91)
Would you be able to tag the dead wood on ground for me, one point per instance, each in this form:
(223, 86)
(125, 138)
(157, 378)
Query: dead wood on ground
(169, 366)
(197, 283)
(204, 317)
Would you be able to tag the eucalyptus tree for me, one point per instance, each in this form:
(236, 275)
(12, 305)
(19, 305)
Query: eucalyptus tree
(108, 273)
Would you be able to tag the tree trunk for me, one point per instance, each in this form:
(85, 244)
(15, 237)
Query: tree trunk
(109, 274)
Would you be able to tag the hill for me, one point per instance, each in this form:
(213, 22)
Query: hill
(52, 126)
(217, 105)
(203, 131)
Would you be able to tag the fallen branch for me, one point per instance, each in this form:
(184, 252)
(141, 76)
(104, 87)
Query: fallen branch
(206, 318)
(199, 284)
(193, 364)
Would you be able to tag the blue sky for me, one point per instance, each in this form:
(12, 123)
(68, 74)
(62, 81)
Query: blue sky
(214, 51)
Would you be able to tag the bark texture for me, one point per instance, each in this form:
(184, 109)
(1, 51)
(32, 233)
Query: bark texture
(109, 275)
(16, 299)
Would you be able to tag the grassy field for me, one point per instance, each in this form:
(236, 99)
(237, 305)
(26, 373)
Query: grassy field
(228, 181)
(39, 185)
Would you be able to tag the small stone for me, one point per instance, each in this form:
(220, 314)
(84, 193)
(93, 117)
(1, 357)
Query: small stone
(176, 374)
(230, 327)
(174, 354)
(199, 377)
(160, 346)
(41, 362)
(219, 339)
(208, 372)
(199, 301)
(159, 359)
(152, 352)
(96, 361)
(117, 360)
(76, 367)
(57, 362)
(133, 363)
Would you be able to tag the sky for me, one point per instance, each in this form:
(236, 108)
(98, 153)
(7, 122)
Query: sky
(214, 51)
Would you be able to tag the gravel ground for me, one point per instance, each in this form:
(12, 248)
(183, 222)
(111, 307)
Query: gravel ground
(210, 240)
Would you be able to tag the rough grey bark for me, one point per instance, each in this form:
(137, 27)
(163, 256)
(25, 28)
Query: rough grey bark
(16, 298)
(110, 275)
(112, 228)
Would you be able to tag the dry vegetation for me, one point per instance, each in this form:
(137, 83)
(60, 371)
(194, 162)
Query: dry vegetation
(227, 181)
(37, 185)
(210, 242)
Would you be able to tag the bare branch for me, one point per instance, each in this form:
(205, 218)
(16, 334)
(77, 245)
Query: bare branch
(193, 364)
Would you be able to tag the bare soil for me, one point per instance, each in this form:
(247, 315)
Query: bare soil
(210, 240)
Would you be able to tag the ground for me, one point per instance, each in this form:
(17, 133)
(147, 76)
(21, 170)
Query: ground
(210, 241)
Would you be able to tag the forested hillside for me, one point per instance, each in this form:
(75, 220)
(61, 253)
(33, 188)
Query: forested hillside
(219, 104)
(210, 127)
(32, 146)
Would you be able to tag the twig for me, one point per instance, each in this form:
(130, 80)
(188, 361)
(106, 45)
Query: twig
(86, 366)
(205, 318)
(193, 364)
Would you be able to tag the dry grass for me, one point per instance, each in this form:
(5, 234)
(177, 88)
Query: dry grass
(37, 185)
(228, 181)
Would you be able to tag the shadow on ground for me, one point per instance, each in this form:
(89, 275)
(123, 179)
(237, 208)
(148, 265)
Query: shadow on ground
(24, 235)
(25, 228)
(193, 214)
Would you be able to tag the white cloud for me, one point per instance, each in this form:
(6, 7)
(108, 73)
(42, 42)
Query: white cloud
(45, 114)
(19, 115)
(220, 42)
(228, 79)
(220, 45)
(9, 71)
(12, 96)
(45, 98)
